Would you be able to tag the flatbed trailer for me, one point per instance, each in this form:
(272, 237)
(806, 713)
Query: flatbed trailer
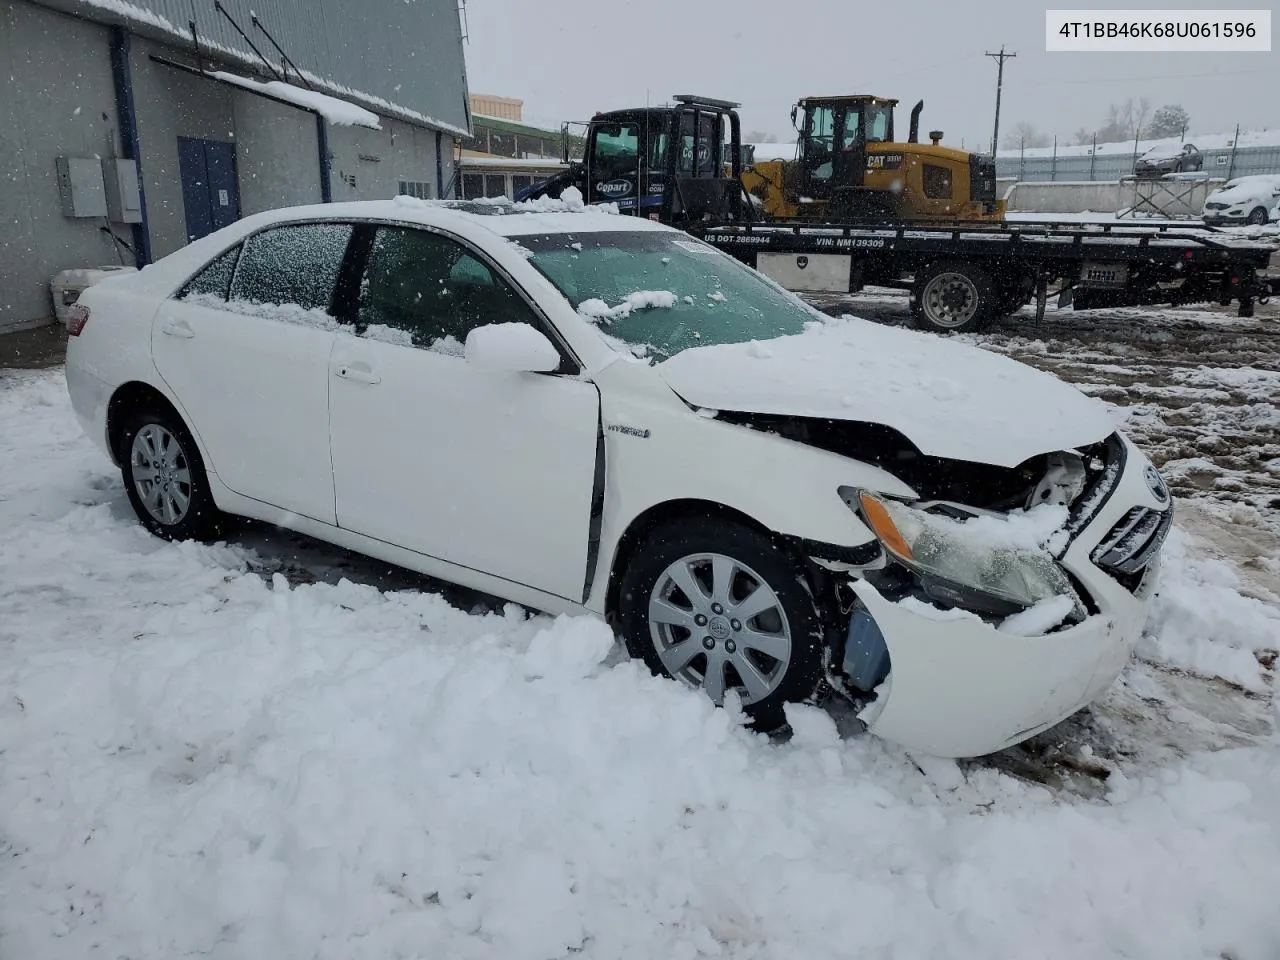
(963, 274)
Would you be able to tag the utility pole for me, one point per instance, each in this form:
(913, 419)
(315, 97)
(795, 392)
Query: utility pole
(1000, 57)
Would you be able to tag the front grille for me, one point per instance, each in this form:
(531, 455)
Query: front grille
(1216, 206)
(1129, 547)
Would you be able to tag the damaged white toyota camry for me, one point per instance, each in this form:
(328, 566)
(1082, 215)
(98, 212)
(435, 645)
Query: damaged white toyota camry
(582, 412)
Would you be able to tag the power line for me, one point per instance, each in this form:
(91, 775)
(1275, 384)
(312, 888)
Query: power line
(1000, 57)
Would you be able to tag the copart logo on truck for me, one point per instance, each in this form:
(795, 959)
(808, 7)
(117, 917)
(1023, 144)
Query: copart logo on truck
(614, 188)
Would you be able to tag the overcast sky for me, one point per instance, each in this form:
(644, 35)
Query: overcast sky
(569, 58)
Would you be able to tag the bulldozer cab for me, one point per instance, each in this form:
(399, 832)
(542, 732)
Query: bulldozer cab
(675, 164)
(834, 135)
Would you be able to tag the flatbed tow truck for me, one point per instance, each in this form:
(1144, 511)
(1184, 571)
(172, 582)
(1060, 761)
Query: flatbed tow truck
(681, 164)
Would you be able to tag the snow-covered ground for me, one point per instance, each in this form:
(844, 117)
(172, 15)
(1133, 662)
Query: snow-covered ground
(270, 748)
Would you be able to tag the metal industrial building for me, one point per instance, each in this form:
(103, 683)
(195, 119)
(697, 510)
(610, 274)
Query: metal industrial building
(130, 127)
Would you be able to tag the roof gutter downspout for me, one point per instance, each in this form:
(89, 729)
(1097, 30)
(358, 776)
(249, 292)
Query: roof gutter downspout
(439, 167)
(326, 160)
(126, 113)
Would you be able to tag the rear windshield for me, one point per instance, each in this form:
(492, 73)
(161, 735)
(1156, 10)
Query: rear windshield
(664, 292)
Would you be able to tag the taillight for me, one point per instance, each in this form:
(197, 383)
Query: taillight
(77, 317)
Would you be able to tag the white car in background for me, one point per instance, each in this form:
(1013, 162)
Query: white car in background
(589, 413)
(1244, 200)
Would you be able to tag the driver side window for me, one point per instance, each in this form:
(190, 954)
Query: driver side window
(422, 289)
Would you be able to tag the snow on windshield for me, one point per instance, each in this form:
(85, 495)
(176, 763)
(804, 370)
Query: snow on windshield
(596, 309)
(663, 290)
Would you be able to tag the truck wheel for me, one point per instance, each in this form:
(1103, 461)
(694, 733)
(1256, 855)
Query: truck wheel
(952, 297)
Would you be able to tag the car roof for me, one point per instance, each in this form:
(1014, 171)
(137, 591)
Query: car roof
(499, 216)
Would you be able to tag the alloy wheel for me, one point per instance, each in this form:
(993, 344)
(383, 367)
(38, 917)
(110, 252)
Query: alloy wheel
(161, 474)
(717, 625)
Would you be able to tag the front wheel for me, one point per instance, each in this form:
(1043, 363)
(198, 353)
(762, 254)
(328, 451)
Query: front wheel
(952, 297)
(720, 607)
(1258, 217)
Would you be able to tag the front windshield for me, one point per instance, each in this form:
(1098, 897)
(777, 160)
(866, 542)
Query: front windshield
(616, 152)
(659, 293)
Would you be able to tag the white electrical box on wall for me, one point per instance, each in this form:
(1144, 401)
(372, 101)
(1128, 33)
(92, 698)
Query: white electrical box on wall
(81, 187)
(124, 203)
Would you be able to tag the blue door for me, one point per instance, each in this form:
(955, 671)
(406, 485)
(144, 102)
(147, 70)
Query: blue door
(209, 196)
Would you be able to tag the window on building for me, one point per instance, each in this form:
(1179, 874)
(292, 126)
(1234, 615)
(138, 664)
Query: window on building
(292, 265)
(416, 188)
(472, 186)
(520, 181)
(495, 184)
(434, 290)
(937, 182)
(215, 279)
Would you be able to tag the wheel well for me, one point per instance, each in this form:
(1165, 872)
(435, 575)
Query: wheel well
(651, 519)
(131, 398)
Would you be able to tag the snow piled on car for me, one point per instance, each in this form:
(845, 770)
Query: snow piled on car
(199, 757)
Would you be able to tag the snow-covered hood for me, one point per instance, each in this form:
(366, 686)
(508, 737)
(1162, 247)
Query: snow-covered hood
(949, 399)
(1261, 189)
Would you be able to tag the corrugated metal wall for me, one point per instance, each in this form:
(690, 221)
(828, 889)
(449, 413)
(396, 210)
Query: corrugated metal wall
(1217, 163)
(408, 53)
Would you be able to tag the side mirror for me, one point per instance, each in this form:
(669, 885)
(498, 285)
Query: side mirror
(794, 109)
(511, 347)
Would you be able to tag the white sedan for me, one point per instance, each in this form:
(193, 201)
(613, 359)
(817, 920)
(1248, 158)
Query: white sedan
(589, 413)
(1244, 200)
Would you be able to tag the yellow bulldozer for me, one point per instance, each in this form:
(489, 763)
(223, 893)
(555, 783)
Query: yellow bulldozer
(848, 166)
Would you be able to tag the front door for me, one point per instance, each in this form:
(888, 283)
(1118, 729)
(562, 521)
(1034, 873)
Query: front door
(210, 199)
(485, 469)
(245, 348)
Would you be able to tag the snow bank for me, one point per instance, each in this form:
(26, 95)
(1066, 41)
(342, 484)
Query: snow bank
(1203, 623)
(337, 112)
(201, 760)
(1203, 141)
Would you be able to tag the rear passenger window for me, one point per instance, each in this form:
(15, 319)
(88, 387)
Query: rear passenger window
(294, 266)
(214, 280)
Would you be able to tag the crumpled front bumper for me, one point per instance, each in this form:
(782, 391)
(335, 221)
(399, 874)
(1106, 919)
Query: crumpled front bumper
(958, 686)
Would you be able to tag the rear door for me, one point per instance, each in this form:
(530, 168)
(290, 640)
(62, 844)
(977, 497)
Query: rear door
(486, 469)
(245, 349)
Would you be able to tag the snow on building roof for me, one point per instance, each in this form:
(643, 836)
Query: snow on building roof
(338, 112)
(521, 163)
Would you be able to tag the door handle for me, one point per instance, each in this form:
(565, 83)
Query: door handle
(178, 328)
(358, 371)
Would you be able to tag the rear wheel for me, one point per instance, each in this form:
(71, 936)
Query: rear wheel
(952, 297)
(1258, 216)
(165, 479)
(720, 607)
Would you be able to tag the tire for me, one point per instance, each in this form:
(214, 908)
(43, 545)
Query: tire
(952, 296)
(772, 657)
(1257, 217)
(155, 449)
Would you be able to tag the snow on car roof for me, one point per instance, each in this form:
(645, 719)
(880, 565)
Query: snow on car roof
(500, 216)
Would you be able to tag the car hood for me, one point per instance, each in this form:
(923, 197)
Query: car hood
(1253, 190)
(949, 399)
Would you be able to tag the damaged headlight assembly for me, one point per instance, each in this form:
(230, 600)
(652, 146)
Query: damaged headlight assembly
(960, 560)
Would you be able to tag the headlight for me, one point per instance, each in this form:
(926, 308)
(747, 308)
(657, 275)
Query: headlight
(973, 563)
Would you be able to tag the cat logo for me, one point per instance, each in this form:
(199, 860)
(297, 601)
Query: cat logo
(802, 262)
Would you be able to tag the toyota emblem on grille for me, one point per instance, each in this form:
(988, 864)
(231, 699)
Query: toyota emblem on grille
(1156, 484)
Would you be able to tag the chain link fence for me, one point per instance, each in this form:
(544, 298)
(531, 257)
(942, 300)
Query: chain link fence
(1218, 164)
